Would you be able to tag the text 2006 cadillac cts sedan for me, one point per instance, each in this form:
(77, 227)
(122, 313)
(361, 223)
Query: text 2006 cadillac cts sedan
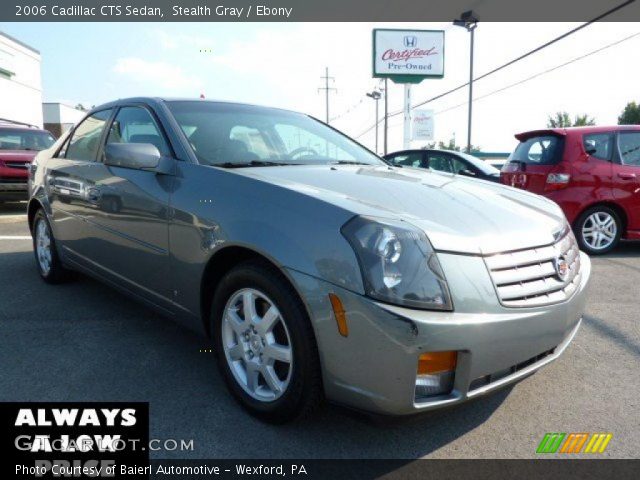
(317, 269)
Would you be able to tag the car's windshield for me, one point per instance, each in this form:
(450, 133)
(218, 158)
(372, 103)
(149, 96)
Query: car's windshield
(481, 165)
(24, 139)
(225, 134)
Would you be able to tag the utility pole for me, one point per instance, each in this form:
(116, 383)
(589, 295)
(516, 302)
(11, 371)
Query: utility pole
(469, 20)
(327, 89)
(386, 113)
(376, 95)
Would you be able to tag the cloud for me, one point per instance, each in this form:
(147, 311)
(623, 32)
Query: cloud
(174, 41)
(158, 75)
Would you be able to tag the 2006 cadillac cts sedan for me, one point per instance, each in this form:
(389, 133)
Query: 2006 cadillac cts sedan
(318, 270)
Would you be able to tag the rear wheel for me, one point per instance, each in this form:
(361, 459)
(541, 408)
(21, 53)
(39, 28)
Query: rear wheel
(49, 266)
(265, 344)
(598, 230)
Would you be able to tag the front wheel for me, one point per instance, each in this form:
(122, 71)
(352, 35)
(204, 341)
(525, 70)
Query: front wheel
(49, 266)
(598, 230)
(265, 344)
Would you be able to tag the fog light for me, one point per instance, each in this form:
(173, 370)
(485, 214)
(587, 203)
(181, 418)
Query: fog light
(436, 371)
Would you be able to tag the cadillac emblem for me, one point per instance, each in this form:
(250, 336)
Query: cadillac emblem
(562, 267)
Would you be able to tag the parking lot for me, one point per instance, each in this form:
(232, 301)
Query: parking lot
(85, 342)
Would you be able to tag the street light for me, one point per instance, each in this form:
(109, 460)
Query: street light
(376, 95)
(469, 20)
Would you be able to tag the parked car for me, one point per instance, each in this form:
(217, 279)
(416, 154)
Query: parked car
(317, 269)
(449, 161)
(19, 143)
(496, 163)
(593, 173)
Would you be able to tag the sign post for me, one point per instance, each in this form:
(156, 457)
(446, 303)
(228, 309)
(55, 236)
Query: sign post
(406, 136)
(408, 57)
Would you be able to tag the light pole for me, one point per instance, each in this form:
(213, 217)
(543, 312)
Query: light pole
(376, 95)
(469, 20)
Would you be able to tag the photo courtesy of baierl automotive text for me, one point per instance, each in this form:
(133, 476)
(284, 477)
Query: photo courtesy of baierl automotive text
(320, 239)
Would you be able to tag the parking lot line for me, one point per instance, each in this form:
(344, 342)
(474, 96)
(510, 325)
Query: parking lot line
(15, 237)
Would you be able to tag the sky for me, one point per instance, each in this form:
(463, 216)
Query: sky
(280, 64)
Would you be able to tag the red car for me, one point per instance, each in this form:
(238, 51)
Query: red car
(593, 173)
(19, 144)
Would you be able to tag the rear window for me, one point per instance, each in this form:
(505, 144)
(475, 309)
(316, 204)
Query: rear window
(25, 139)
(541, 150)
(629, 145)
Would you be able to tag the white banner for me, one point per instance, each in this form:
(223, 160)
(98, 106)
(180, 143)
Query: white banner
(422, 125)
(413, 53)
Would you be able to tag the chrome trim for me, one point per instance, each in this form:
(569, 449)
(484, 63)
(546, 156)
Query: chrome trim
(531, 278)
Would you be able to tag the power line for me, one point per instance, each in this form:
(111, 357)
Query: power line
(327, 89)
(511, 62)
(544, 72)
(348, 110)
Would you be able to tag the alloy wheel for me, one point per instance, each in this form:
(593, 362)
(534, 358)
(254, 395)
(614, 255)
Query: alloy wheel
(599, 230)
(43, 246)
(257, 345)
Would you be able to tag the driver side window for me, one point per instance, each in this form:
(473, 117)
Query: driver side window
(440, 162)
(85, 140)
(300, 142)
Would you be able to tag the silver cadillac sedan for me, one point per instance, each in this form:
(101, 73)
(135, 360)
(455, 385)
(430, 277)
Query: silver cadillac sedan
(317, 269)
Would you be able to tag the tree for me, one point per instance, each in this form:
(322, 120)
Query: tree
(80, 107)
(583, 121)
(559, 120)
(451, 145)
(563, 120)
(630, 115)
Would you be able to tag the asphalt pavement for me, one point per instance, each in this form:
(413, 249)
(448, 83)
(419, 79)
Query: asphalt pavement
(86, 342)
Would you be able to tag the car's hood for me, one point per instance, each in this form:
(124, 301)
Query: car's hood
(18, 155)
(458, 214)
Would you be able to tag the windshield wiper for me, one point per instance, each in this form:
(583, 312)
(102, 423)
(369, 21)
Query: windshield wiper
(253, 163)
(348, 162)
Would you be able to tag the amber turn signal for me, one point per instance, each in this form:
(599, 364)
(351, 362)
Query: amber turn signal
(339, 313)
(437, 362)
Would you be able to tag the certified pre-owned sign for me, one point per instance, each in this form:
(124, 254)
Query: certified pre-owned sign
(408, 56)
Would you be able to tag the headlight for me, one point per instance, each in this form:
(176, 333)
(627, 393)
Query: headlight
(398, 263)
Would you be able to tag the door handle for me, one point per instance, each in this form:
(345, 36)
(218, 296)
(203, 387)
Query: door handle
(627, 176)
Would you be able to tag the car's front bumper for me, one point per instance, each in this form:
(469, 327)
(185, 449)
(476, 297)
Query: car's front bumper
(374, 368)
(14, 190)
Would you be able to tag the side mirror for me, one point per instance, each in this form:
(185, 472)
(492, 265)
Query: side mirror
(590, 150)
(467, 173)
(138, 156)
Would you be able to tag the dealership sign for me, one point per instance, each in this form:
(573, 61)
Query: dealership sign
(408, 56)
(422, 125)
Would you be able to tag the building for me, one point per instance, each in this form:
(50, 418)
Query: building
(58, 117)
(20, 82)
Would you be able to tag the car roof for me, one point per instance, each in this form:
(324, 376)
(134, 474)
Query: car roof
(567, 131)
(20, 128)
(156, 101)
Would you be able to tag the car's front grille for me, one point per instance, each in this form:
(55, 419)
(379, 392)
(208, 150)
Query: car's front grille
(531, 278)
(13, 180)
(20, 165)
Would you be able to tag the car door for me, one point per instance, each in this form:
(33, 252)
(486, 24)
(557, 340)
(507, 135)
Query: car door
(439, 161)
(130, 211)
(69, 179)
(415, 159)
(626, 176)
(460, 166)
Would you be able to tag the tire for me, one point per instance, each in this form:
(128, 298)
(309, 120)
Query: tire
(300, 385)
(598, 230)
(49, 265)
